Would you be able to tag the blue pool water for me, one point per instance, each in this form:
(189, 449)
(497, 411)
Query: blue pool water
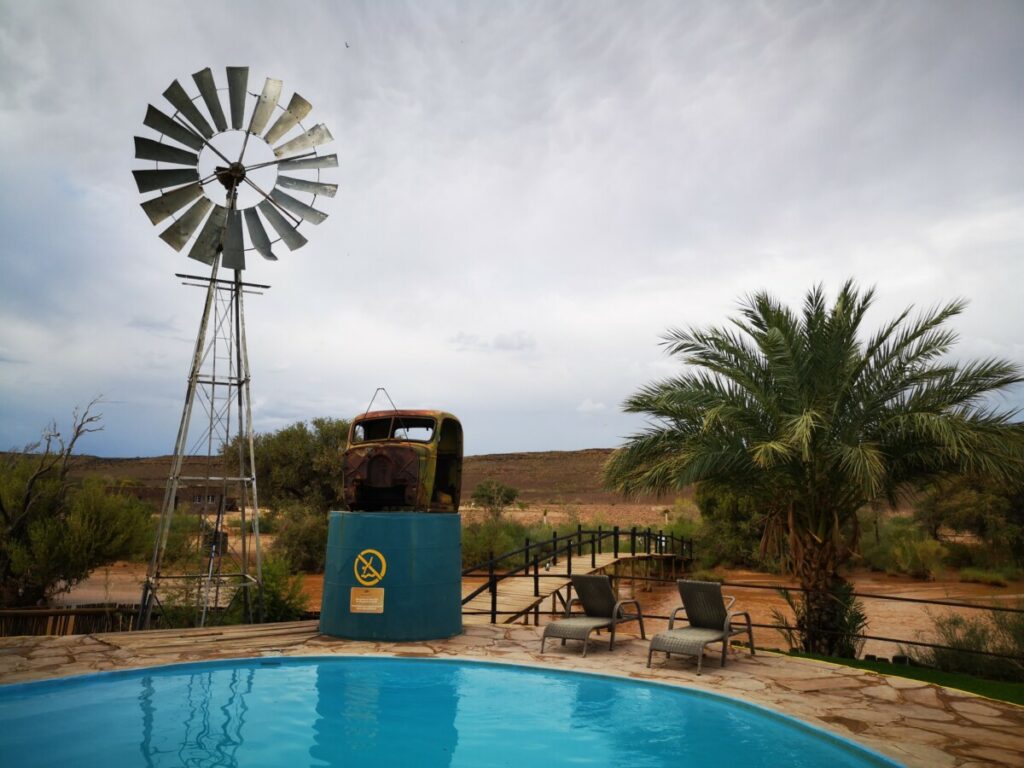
(373, 713)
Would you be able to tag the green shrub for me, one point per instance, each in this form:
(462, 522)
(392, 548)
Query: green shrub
(847, 618)
(494, 497)
(920, 558)
(979, 576)
(302, 538)
(706, 575)
(283, 598)
(996, 632)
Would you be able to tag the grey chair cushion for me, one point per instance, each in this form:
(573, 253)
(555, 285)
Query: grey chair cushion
(689, 640)
(576, 628)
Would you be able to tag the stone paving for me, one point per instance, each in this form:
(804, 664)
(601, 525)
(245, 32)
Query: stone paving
(912, 722)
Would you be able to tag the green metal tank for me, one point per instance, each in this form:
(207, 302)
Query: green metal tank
(393, 576)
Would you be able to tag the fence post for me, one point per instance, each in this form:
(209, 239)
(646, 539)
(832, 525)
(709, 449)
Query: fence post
(647, 541)
(536, 576)
(593, 552)
(632, 541)
(568, 558)
(600, 540)
(615, 542)
(526, 553)
(554, 547)
(492, 585)
(661, 542)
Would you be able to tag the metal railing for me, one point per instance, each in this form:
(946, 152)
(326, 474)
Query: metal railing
(793, 588)
(643, 542)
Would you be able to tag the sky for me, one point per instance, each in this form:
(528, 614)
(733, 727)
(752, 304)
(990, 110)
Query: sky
(530, 196)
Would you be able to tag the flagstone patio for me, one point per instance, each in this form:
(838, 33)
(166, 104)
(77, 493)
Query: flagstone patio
(912, 722)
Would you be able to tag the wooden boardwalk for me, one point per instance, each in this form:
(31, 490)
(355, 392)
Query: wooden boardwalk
(523, 595)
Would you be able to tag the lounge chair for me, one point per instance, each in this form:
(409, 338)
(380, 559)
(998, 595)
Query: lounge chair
(601, 609)
(710, 620)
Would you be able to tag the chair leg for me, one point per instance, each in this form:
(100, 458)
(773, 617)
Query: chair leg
(700, 660)
(586, 642)
(542, 640)
(611, 643)
(563, 641)
(640, 618)
(750, 636)
(649, 652)
(725, 650)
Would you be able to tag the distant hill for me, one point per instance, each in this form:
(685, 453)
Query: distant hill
(551, 477)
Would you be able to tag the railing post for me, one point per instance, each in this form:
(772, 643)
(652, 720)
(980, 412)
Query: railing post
(536, 576)
(615, 542)
(568, 558)
(526, 553)
(579, 539)
(600, 540)
(632, 541)
(492, 585)
(593, 551)
(647, 541)
(554, 547)
(661, 542)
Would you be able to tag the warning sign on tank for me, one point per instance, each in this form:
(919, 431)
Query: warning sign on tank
(369, 567)
(366, 600)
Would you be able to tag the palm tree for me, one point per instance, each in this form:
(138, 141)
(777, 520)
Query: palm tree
(815, 421)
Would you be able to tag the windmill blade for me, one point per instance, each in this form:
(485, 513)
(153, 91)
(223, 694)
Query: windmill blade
(265, 106)
(208, 90)
(147, 149)
(180, 231)
(171, 128)
(238, 78)
(207, 245)
(233, 255)
(313, 187)
(309, 163)
(297, 109)
(300, 209)
(159, 208)
(289, 234)
(181, 101)
(314, 137)
(148, 181)
(258, 235)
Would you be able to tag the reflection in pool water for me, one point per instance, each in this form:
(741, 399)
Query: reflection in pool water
(391, 712)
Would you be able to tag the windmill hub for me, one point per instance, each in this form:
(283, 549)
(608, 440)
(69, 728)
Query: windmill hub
(231, 176)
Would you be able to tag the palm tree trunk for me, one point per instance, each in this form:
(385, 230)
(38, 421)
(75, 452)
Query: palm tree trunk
(821, 621)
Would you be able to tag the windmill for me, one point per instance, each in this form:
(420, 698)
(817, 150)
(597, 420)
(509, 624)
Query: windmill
(257, 163)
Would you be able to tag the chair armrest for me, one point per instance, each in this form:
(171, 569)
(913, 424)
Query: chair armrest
(568, 607)
(672, 618)
(729, 617)
(731, 599)
(617, 610)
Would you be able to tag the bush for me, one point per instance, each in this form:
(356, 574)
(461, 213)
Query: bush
(731, 531)
(494, 497)
(998, 632)
(283, 598)
(920, 558)
(900, 545)
(997, 578)
(301, 540)
(848, 620)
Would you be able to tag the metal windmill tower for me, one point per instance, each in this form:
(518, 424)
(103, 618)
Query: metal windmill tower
(212, 171)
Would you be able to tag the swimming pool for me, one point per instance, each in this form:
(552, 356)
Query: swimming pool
(376, 712)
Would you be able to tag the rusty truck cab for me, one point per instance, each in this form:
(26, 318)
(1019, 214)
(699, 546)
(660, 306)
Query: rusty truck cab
(404, 461)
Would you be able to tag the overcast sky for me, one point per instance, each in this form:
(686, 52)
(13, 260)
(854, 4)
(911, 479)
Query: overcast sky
(530, 195)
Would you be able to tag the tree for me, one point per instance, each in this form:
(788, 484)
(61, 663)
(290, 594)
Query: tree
(814, 421)
(54, 531)
(994, 512)
(300, 464)
(494, 497)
